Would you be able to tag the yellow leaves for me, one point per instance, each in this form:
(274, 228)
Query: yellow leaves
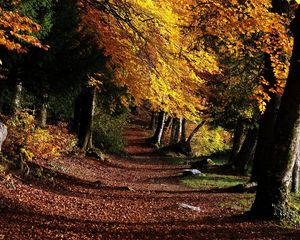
(162, 50)
(150, 53)
(27, 155)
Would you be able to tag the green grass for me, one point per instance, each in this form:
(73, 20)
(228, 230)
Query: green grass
(241, 203)
(176, 160)
(212, 181)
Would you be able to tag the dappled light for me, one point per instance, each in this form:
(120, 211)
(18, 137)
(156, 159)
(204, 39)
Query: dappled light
(149, 119)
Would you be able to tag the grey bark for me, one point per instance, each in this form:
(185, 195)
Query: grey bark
(43, 112)
(18, 97)
(296, 169)
(3, 134)
(156, 139)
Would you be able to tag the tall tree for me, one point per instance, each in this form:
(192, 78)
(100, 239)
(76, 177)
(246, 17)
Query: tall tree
(268, 119)
(274, 185)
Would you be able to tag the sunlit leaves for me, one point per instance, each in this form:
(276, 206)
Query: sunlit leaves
(150, 55)
(165, 51)
(30, 141)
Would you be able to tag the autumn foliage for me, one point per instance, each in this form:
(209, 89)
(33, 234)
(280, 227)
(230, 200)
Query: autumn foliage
(15, 29)
(166, 51)
(25, 138)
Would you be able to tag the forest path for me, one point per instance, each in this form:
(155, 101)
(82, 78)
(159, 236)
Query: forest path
(121, 198)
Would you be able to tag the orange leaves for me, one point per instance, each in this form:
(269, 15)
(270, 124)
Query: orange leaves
(149, 53)
(15, 27)
(166, 51)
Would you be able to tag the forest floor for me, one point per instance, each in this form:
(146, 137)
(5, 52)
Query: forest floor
(137, 197)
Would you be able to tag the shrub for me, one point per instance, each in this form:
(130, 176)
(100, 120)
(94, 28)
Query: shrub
(32, 142)
(108, 132)
(209, 141)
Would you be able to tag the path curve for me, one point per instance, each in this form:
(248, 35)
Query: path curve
(121, 198)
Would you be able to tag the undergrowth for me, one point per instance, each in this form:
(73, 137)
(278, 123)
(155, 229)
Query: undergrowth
(210, 140)
(108, 132)
(27, 141)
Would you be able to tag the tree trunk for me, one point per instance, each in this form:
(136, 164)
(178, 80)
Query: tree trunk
(42, 113)
(156, 139)
(237, 140)
(184, 147)
(18, 96)
(88, 101)
(246, 154)
(173, 129)
(168, 123)
(180, 129)
(268, 119)
(177, 131)
(273, 185)
(183, 131)
(266, 127)
(295, 177)
(196, 129)
(296, 169)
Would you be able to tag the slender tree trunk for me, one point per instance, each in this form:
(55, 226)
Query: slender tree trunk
(237, 140)
(273, 185)
(173, 129)
(2, 86)
(185, 146)
(42, 113)
(156, 139)
(196, 129)
(296, 169)
(18, 96)
(180, 129)
(168, 123)
(88, 101)
(295, 177)
(183, 131)
(177, 131)
(246, 154)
